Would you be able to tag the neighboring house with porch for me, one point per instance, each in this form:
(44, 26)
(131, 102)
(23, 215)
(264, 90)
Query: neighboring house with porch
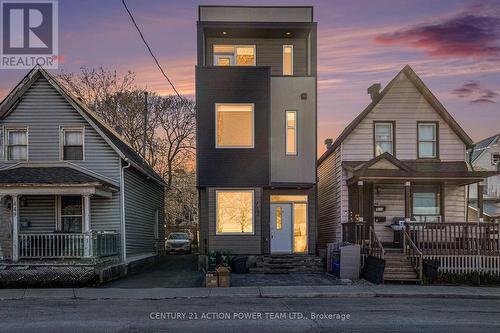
(485, 156)
(401, 161)
(72, 190)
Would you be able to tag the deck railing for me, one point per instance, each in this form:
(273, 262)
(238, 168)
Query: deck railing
(455, 238)
(67, 245)
(413, 253)
(355, 232)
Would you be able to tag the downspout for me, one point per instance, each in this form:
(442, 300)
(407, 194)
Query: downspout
(122, 213)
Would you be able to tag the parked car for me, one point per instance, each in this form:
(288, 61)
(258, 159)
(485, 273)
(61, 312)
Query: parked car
(178, 242)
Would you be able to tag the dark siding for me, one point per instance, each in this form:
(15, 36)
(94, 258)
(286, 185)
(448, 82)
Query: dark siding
(142, 197)
(269, 52)
(203, 220)
(232, 167)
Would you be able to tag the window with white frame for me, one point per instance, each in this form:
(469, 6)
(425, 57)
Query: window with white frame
(72, 144)
(287, 59)
(291, 132)
(427, 140)
(234, 125)
(384, 138)
(17, 144)
(71, 213)
(234, 212)
(234, 55)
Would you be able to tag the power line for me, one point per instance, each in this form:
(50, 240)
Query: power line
(149, 49)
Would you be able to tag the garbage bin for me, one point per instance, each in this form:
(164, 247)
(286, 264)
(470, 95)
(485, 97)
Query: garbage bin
(239, 265)
(430, 270)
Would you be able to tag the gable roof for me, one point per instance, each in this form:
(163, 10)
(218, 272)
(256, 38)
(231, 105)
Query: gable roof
(426, 93)
(483, 145)
(116, 141)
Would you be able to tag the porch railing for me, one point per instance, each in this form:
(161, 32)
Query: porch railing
(67, 245)
(355, 232)
(455, 238)
(376, 248)
(413, 253)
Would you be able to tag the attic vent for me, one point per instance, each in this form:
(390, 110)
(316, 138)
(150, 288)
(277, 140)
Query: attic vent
(374, 91)
(329, 143)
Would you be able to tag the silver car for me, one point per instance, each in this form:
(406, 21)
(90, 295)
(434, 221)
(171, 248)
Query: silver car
(178, 242)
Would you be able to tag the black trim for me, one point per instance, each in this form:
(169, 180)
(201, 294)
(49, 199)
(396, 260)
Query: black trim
(437, 140)
(393, 123)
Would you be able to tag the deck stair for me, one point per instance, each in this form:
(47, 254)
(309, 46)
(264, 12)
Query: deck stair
(398, 267)
(288, 263)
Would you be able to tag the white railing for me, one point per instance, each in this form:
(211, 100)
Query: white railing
(67, 245)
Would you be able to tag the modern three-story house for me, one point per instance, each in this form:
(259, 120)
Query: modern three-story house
(256, 129)
(73, 193)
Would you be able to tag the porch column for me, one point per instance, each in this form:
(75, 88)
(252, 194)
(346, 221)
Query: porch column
(86, 226)
(480, 187)
(360, 201)
(15, 227)
(407, 201)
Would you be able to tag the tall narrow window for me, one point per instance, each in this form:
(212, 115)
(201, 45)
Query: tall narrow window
(279, 218)
(234, 55)
(384, 138)
(17, 144)
(234, 125)
(234, 211)
(427, 140)
(287, 59)
(291, 132)
(72, 144)
(1, 143)
(71, 214)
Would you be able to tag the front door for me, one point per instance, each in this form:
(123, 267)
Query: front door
(281, 228)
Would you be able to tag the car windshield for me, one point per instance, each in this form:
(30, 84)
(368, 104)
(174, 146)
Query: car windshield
(178, 236)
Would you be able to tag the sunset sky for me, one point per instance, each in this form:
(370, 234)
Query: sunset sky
(453, 45)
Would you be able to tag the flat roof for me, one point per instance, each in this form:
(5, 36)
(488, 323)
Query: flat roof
(255, 13)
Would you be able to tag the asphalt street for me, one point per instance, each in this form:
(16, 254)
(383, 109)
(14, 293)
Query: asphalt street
(251, 315)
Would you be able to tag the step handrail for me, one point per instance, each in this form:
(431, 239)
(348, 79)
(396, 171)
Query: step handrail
(376, 248)
(413, 253)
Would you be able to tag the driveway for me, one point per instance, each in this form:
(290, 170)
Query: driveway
(180, 270)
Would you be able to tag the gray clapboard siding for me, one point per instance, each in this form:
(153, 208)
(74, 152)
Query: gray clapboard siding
(404, 104)
(43, 110)
(269, 52)
(392, 196)
(40, 211)
(142, 197)
(244, 244)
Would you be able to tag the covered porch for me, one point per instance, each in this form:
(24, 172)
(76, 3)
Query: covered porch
(52, 220)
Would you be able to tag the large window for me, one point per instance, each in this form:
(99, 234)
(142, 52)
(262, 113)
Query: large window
(427, 140)
(287, 59)
(384, 138)
(426, 203)
(234, 125)
(72, 144)
(235, 211)
(17, 144)
(291, 132)
(71, 214)
(234, 55)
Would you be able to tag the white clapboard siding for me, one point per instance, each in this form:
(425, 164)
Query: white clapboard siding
(404, 104)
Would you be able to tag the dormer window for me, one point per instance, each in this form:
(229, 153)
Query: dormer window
(17, 144)
(72, 144)
(234, 55)
(384, 138)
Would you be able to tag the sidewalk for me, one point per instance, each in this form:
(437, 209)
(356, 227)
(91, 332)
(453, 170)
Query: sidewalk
(335, 291)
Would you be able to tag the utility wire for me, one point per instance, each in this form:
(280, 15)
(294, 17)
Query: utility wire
(149, 49)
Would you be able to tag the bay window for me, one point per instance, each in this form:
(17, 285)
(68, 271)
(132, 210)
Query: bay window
(427, 140)
(384, 138)
(17, 144)
(234, 212)
(234, 125)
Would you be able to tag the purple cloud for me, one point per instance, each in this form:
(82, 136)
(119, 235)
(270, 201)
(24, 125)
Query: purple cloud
(474, 91)
(463, 36)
